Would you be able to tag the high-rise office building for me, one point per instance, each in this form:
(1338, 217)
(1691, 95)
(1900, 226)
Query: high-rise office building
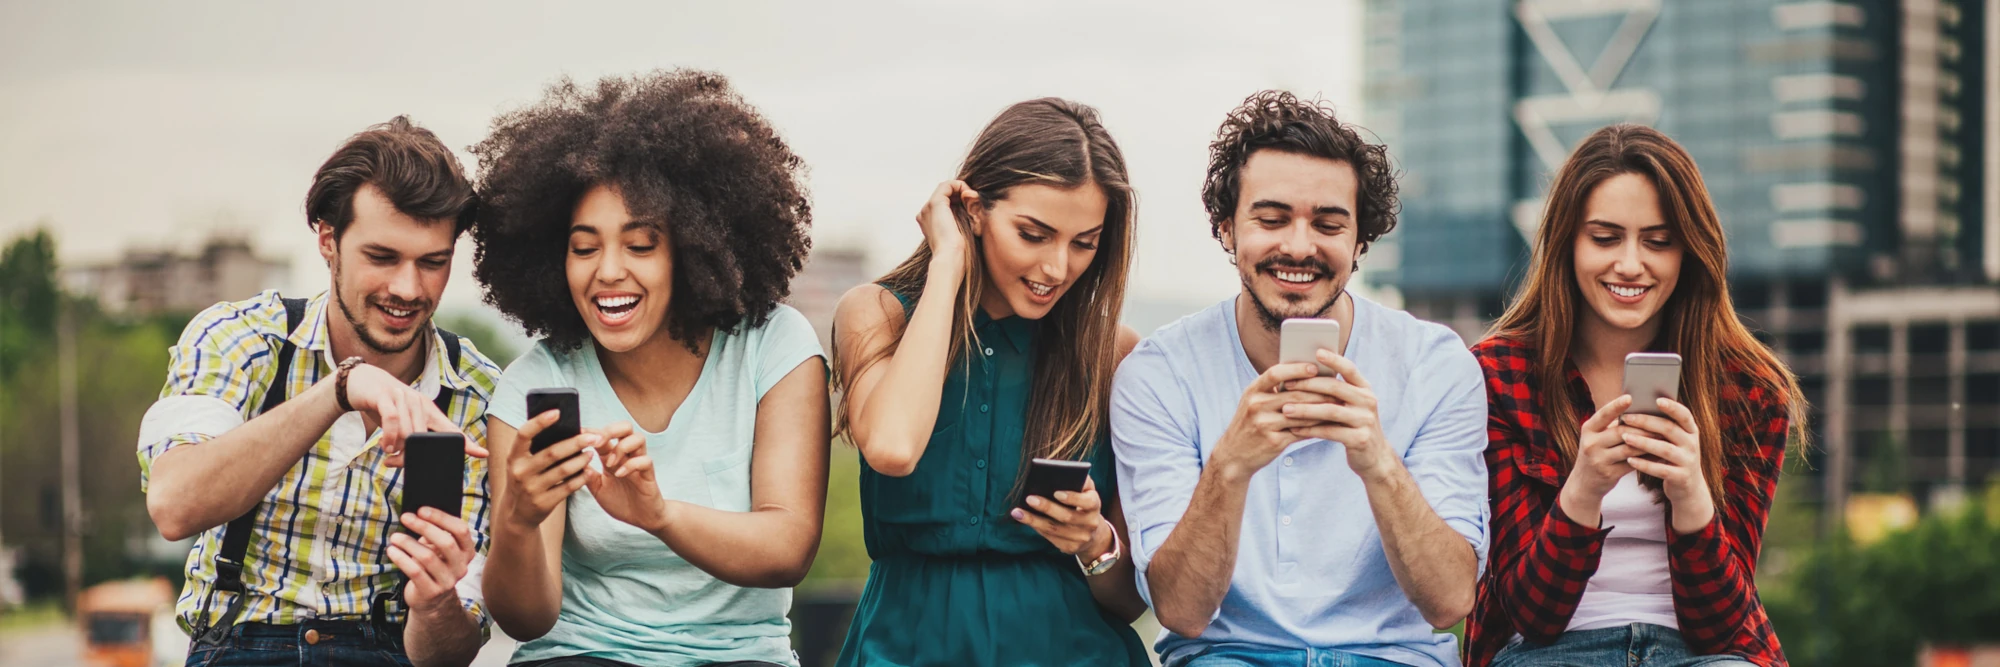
(1849, 148)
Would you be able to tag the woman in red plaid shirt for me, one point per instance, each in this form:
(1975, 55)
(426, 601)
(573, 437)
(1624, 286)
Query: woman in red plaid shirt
(1622, 538)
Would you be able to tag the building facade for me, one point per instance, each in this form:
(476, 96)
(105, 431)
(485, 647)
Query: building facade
(1849, 149)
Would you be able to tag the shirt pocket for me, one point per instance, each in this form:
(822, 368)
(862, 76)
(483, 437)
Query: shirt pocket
(729, 480)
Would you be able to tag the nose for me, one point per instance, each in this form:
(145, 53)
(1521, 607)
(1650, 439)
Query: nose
(610, 266)
(1055, 263)
(406, 285)
(1297, 241)
(1631, 264)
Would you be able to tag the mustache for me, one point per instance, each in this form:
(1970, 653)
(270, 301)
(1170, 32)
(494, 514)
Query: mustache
(1288, 264)
(398, 304)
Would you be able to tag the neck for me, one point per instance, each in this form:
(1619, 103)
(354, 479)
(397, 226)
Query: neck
(344, 342)
(1260, 345)
(993, 302)
(1597, 344)
(655, 367)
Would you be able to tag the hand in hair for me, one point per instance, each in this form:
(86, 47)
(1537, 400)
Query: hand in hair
(1601, 460)
(939, 221)
(1670, 449)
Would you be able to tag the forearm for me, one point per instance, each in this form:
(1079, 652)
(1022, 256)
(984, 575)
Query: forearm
(1435, 565)
(1539, 587)
(1117, 590)
(768, 547)
(1190, 573)
(523, 589)
(445, 636)
(184, 497)
(901, 409)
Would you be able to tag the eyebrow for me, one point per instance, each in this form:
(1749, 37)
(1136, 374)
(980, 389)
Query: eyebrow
(628, 226)
(1322, 210)
(379, 249)
(1662, 227)
(1052, 230)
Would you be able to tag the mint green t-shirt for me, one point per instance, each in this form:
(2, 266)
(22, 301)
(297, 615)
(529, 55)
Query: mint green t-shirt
(625, 595)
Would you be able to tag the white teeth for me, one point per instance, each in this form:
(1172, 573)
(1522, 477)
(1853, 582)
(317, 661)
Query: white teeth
(1040, 289)
(616, 301)
(1296, 276)
(400, 313)
(1627, 292)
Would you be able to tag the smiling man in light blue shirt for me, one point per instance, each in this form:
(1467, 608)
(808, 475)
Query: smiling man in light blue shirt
(1279, 518)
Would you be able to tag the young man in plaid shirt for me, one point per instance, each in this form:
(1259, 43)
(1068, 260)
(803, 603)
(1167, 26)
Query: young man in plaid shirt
(278, 436)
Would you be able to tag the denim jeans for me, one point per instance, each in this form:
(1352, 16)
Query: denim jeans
(1253, 655)
(586, 661)
(1635, 645)
(337, 644)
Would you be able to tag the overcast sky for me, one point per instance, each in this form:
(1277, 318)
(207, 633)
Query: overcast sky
(147, 123)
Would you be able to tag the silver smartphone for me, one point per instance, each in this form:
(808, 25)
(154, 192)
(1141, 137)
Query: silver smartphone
(1650, 376)
(1301, 339)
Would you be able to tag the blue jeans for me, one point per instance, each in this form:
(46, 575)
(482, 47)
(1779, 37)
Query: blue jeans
(1253, 655)
(338, 644)
(1635, 645)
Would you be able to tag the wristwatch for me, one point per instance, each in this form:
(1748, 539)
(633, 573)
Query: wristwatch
(1104, 562)
(340, 383)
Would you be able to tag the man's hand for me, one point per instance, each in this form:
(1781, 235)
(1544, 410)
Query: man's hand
(1349, 416)
(398, 410)
(434, 560)
(1261, 430)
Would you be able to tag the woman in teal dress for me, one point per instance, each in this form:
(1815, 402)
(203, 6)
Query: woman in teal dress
(992, 345)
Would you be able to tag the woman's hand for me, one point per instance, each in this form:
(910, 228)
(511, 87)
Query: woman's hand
(537, 483)
(940, 223)
(1670, 449)
(626, 489)
(1601, 460)
(1073, 521)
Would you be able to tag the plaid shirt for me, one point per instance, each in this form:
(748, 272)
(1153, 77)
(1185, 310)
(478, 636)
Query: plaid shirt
(1541, 559)
(320, 548)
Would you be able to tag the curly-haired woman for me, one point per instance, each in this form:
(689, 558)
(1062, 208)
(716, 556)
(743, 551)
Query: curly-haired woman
(994, 344)
(646, 228)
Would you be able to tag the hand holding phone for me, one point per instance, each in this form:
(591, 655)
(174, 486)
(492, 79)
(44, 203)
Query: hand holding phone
(1300, 340)
(1650, 376)
(1047, 476)
(434, 472)
(568, 424)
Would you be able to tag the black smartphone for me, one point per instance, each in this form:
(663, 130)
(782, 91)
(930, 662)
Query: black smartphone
(560, 399)
(1047, 476)
(434, 472)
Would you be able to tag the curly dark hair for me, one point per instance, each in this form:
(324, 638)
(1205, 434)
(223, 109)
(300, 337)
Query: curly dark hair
(688, 155)
(1276, 120)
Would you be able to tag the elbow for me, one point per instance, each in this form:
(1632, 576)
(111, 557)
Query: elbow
(1184, 627)
(170, 517)
(523, 627)
(1449, 613)
(892, 460)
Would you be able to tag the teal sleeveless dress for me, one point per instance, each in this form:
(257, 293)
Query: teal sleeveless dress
(955, 580)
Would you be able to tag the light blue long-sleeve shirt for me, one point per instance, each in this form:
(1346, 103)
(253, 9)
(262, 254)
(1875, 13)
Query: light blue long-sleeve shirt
(1310, 569)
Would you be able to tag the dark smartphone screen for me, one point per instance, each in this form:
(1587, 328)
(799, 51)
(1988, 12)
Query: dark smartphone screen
(560, 399)
(434, 472)
(1047, 476)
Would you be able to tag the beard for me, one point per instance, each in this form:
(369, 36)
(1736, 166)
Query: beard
(1295, 305)
(380, 344)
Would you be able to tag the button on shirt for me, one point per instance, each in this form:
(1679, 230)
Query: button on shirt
(1310, 569)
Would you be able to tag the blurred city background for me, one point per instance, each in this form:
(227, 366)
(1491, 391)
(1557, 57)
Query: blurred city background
(153, 159)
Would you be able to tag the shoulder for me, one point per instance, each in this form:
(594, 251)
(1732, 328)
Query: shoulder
(233, 324)
(1504, 357)
(865, 307)
(783, 322)
(542, 364)
(1198, 330)
(1128, 338)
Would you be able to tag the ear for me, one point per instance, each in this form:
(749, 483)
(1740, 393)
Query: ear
(1229, 237)
(329, 247)
(976, 218)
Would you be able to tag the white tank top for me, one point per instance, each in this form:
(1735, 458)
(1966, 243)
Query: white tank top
(1632, 584)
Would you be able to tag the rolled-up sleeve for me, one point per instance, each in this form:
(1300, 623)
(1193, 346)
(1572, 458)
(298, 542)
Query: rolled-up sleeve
(214, 373)
(1159, 460)
(1448, 457)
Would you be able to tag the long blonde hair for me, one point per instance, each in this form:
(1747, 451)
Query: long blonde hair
(1060, 143)
(1699, 322)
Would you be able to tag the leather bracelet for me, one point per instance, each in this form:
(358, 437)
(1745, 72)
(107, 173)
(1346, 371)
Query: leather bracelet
(340, 383)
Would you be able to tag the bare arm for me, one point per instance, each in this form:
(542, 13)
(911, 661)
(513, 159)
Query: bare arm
(892, 404)
(1435, 566)
(523, 578)
(772, 545)
(1118, 589)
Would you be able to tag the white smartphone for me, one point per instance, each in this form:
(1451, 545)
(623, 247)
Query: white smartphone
(1650, 376)
(1301, 339)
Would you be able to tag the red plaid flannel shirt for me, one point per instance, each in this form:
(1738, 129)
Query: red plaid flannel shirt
(1540, 559)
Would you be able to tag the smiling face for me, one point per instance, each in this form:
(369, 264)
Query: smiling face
(621, 271)
(1627, 257)
(388, 271)
(1035, 243)
(1293, 234)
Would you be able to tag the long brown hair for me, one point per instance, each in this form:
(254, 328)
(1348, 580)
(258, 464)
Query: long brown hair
(1059, 143)
(1699, 321)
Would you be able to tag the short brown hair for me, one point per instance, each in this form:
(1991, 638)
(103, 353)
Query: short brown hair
(420, 177)
(1277, 120)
